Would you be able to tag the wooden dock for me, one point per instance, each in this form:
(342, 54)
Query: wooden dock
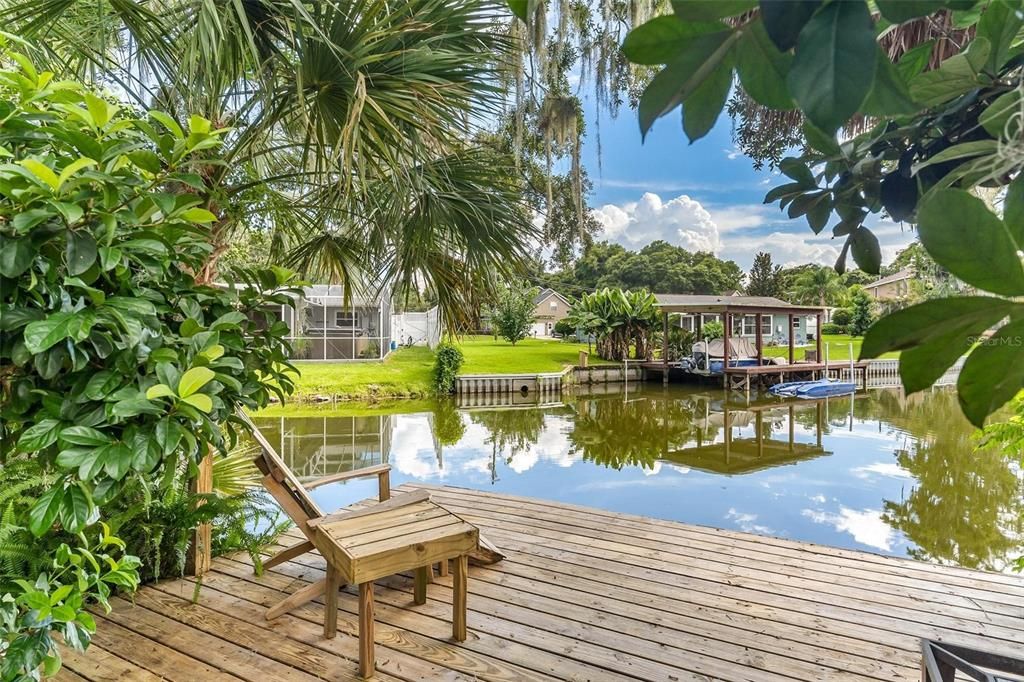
(583, 595)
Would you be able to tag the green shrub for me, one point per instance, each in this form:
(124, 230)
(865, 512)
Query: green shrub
(448, 359)
(842, 316)
(564, 328)
(119, 370)
(832, 328)
(712, 330)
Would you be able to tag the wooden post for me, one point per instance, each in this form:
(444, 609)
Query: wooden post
(366, 657)
(664, 349)
(459, 588)
(817, 338)
(333, 584)
(789, 335)
(419, 594)
(758, 340)
(199, 556)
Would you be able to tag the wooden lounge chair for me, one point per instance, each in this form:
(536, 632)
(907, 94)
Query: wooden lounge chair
(293, 497)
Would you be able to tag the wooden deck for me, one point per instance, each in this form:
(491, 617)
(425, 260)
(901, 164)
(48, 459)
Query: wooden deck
(583, 595)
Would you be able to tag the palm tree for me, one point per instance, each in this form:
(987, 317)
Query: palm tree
(818, 286)
(350, 125)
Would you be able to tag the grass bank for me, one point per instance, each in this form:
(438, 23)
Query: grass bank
(407, 372)
(838, 348)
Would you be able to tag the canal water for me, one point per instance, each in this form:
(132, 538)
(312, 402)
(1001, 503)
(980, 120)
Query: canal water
(881, 471)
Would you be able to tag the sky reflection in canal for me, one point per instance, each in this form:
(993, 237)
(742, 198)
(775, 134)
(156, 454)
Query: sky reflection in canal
(882, 472)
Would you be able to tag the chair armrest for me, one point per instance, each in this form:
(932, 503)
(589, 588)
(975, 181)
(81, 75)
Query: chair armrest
(379, 470)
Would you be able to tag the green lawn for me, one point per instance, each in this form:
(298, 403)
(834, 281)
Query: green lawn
(406, 373)
(838, 348)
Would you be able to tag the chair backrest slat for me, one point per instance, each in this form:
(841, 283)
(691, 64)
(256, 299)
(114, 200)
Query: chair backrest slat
(277, 468)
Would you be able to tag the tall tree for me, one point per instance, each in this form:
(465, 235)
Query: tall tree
(818, 286)
(349, 125)
(765, 278)
(862, 316)
(924, 135)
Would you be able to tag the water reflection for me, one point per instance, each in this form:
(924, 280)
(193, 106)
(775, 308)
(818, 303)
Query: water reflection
(880, 471)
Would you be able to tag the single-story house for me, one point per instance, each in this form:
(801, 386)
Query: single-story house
(326, 326)
(892, 287)
(549, 307)
(775, 326)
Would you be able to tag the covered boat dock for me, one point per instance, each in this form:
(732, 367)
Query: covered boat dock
(732, 310)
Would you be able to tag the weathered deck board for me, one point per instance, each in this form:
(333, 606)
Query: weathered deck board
(583, 595)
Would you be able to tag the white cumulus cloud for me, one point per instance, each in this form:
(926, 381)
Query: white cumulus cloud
(682, 221)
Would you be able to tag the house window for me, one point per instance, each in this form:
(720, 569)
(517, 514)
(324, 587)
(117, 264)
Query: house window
(749, 325)
(687, 322)
(766, 325)
(554, 305)
(796, 323)
(345, 318)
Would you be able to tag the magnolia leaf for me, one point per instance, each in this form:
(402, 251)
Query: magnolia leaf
(680, 77)
(704, 105)
(828, 78)
(76, 510)
(951, 218)
(659, 40)
(42, 172)
(16, 256)
(702, 10)
(81, 251)
(889, 95)
(159, 391)
(925, 322)
(992, 374)
(997, 116)
(763, 68)
(193, 380)
(866, 251)
(84, 435)
(45, 510)
(200, 401)
(45, 333)
(784, 19)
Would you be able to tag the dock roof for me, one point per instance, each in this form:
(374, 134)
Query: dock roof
(700, 303)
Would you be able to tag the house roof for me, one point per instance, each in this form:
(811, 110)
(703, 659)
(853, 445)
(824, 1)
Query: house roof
(699, 303)
(905, 273)
(547, 293)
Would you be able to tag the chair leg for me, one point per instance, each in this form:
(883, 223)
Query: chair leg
(419, 593)
(443, 568)
(459, 588)
(294, 601)
(331, 602)
(366, 660)
(288, 554)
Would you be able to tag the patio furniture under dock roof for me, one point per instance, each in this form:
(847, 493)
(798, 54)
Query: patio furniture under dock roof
(584, 594)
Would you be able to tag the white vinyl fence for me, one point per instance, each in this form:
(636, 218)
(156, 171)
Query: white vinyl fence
(886, 373)
(417, 329)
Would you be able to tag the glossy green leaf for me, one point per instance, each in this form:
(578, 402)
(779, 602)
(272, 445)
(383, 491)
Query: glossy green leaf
(100, 110)
(661, 39)
(72, 168)
(889, 95)
(200, 401)
(193, 380)
(992, 374)
(159, 391)
(132, 407)
(898, 11)
(865, 251)
(914, 60)
(997, 116)
(45, 333)
(680, 77)
(84, 435)
(44, 512)
(784, 19)
(950, 218)
(957, 75)
(39, 436)
(797, 170)
(81, 251)
(16, 256)
(999, 24)
(76, 510)
(703, 10)
(763, 68)
(169, 123)
(197, 214)
(117, 460)
(828, 78)
(820, 141)
(1013, 210)
(42, 172)
(704, 105)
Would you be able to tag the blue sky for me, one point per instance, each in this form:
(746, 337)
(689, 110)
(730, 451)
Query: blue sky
(706, 195)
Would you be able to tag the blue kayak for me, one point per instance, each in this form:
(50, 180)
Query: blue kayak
(820, 388)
